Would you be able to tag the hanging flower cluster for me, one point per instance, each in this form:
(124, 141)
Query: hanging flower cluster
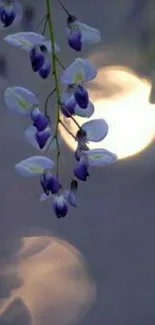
(72, 99)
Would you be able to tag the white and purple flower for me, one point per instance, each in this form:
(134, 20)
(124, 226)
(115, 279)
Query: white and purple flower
(60, 205)
(74, 76)
(79, 33)
(10, 13)
(38, 48)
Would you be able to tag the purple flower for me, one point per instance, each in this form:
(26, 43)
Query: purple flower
(37, 57)
(60, 205)
(45, 70)
(81, 170)
(81, 96)
(74, 40)
(10, 12)
(7, 16)
(81, 136)
(68, 106)
(49, 183)
(79, 33)
(71, 194)
(80, 149)
(40, 121)
(42, 137)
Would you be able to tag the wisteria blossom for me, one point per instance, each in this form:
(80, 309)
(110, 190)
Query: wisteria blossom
(10, 13)
(79, 33)
(70, 106)
(71, 99)
(38, 48)
(79, 72)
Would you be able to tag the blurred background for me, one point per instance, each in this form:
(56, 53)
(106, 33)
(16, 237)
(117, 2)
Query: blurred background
(108, 242)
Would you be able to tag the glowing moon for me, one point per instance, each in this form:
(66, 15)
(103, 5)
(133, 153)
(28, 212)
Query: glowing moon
(122, 99)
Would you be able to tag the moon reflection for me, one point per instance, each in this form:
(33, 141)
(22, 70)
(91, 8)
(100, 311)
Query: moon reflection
(56, 289)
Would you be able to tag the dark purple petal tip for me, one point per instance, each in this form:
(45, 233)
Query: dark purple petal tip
(60, 206)
(40, 121)
(49, 184)
(42, 138)
(81, 96)
(74, 40)
(68, 107)
(81, 171)
(37, 58)
(7, 16)
(45, 70)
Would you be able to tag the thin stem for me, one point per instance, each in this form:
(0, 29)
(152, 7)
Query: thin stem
(64, 8)
(47, 99)
(40, 23)
(55, 76)
(50, 143)
(59, 62)
(45, 25)
(69, 132)
(43, 86)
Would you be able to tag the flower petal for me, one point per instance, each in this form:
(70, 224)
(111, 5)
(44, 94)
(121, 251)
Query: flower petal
(25, 40)
(42, 137)
(40, 121)
(80, 70)
(87, 112)
(96, 130)
(74, 40)
(89, 35)
(71, 198)
(49, 183)
(34, 166)
(81, 169)
(81, 96)
(18, 11)
(99, 157)
(45, 197)
(20, 100)
(60, 206)
(45, 70)
(30, 136)
(67, 107)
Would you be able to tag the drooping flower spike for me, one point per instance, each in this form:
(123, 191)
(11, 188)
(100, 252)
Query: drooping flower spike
(10, 13)
(79, 33)
(41, 134)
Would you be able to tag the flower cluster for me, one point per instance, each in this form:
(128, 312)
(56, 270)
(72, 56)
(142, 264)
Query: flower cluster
(72, 99)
